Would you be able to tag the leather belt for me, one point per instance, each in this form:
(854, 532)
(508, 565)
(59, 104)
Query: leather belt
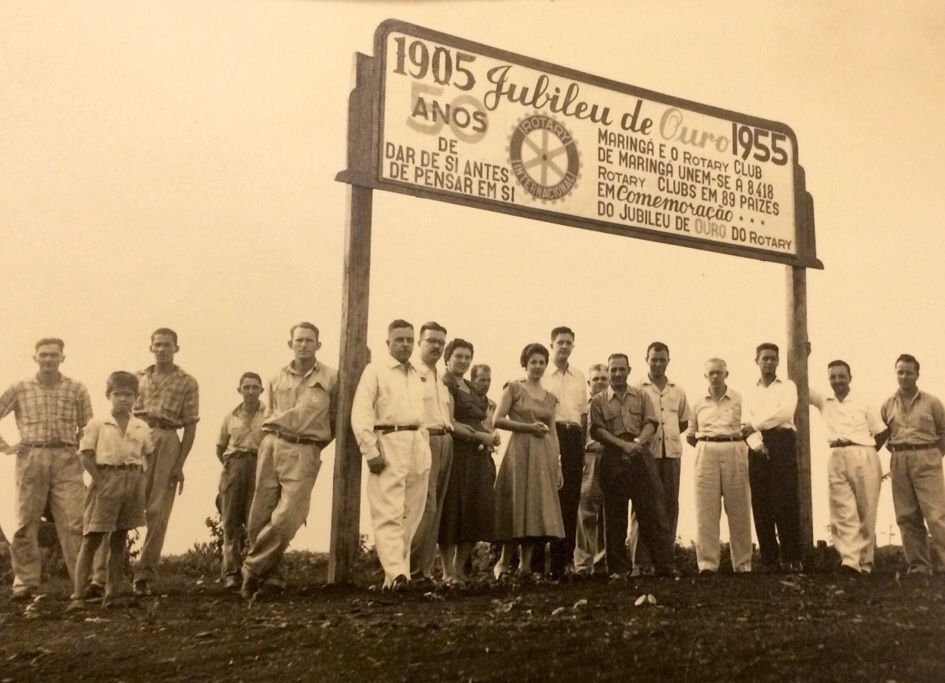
(162, 424)
(48, 444)
(291, 438)
(897, 447)
(842, 443)
(568, 425)
(387, 429)
(438, 431)
(124, 466)
(242, 453)
(719, 439)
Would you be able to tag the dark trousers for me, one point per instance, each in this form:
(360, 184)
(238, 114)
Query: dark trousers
(571, 445)
(774, 500)
(624, 478)
(669, 472)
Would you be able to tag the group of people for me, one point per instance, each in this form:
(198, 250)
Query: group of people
(579, 453)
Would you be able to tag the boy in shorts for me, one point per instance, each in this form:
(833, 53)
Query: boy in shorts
(112, 451)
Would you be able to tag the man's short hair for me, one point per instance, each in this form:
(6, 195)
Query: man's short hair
(121, 380)
(435, 326)
(166, 332)
(720, 361)
(839, 364)
(656, 346)
(304, 326)
(457, 344)
(530, 351)
(249, 375)
(476, 369)
(398, 323)
(908, 358)
(767, 346)
(562, 329)
(51, 340)
(597, 366)
(618, 355)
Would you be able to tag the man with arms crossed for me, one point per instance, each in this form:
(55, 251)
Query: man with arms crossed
(303, 402)
(669, 400)
(589, 546)
(623, 420)
(855, 432)
(568, 385)
(168, 400)
(721, 472)
(916, 423)
(387, 420)
(772, 464)
(51, 410)
(438, 422)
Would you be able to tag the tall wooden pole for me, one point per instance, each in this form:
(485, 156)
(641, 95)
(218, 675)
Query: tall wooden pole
(355, 289)
(797, 371)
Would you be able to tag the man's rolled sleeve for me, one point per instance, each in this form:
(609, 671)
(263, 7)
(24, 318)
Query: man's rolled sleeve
(89, 436)
(362, 413)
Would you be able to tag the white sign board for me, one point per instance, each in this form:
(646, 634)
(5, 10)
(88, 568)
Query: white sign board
(472, 124)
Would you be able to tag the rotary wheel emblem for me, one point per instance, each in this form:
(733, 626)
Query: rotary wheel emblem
(544, 157)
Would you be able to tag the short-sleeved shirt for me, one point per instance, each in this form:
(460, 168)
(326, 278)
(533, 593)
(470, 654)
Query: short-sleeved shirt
(171, 400)
(570, 388)
(919, 421)
(241, 432)
(671, 408)
(622, 415)
(304, 405)
(103, 435)
(47, 414)
(850, 419)
(711, 418)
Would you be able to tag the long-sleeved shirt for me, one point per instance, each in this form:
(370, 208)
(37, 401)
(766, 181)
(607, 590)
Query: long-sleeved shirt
(241, 432)
(919, 421)
(47, 414)
(570, 388)
(671, 409)
(768, 407)
(436, 399)
(304, 405)
(389, 393)
(172, 400)
(712, 417)
(851, 419)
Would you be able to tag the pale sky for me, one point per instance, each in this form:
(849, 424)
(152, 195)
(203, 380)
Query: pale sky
(173, 163)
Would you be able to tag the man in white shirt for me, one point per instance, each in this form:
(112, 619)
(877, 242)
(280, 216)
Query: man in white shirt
(568, 385)
(772, 464)
(855, 431)
(387, 420)
(439, 424)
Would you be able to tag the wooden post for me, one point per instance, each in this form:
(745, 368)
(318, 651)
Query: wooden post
(797, 371)
(355, 290)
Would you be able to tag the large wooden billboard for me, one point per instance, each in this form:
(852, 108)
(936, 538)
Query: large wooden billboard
(463, 122)
(440, 117)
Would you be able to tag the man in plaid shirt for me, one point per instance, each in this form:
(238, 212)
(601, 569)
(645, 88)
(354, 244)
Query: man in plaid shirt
(168, 401)
(50, 411)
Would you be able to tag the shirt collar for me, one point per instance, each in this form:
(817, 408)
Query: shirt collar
(394, 363)
(315, 369)
(611, 393)
(777, 380)
(238, 410)
(708, 393)
(648, 382)
(566, 371)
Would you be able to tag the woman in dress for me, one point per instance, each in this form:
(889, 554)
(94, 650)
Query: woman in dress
(468, 510)
(526, 488)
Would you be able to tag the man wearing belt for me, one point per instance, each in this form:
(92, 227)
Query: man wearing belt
(568, 385)
(303, 401)
(854, 431)
(772, 464)
(387, 418)
(168, 400)
(237, 448)
(721, 472)
(438, 422)
(916, 423)
(589, 544)
(669, 400)
(623, 420)
(51, 410)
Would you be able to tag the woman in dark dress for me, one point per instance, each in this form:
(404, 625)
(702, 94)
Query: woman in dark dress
(468, 510)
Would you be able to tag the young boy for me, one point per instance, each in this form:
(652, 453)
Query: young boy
(112, 451)
(237, 448)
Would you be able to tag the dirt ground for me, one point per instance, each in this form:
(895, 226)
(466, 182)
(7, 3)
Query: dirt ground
(812, 627)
